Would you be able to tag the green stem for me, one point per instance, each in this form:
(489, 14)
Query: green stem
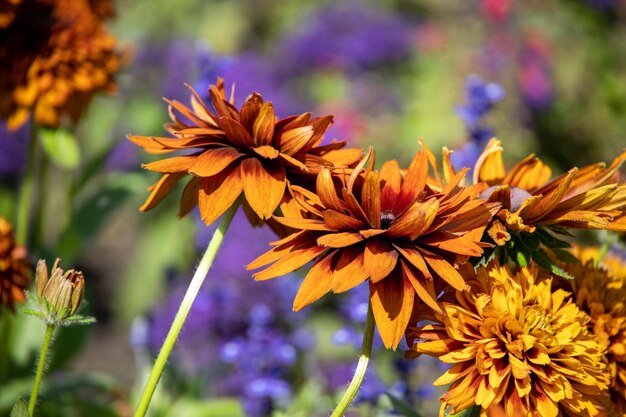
(47, 338)
(361, 367)
(42, 186)
(23, 205)
(183, 310)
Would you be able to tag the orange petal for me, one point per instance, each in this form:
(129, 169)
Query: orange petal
(411, 254)
(370, 198)
(423, 287)
(236, 133)
(266, 151)
(303, 224)
(348, 271)
(490, 167)
(391, 180)
(344, 157)
(293, 260)
(250, 112)
(161, 189)
(327, 192)
(213, 161)
(218, 193)
(339, 240)
(172, 165)
(338, 221)
(379, 260)
(263, 185)
(293, 140)
(263, 129)
(415, 220)
(413, 182)
(444, 270)
(392, 304)
(316, 283)
(189, 198)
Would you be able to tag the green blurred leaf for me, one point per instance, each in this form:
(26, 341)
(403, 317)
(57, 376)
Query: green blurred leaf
(20, 409)
(564, 255)
(61, 147)
(402, 407)
(473, 411)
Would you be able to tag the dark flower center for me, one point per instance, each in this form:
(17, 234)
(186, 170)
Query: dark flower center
(386, 218)
(518, 196)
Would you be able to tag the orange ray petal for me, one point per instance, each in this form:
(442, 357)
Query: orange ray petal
(444, 270)
(391, 179)
(316, 283)
(413, 182)
(236, 133)
(370, 198)
(343, 157)
(250, 112)
(326, 191)
(189, 198)
(213, 161)
(303, 224)
(415, 220)
(263, 129)
(218, 193)
(293, 140)
(424, 288)
(339, 240)
(379, 260)
(338, 221)
(296, 259)
(171, 165)
(266, 151)
(160, 190)
(263, 184)
(392, 304)
(348, 270)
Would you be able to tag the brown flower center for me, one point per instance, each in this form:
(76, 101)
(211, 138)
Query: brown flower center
(386, 219)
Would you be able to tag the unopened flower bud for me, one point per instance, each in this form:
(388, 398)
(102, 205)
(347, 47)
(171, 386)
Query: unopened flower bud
(59, 294)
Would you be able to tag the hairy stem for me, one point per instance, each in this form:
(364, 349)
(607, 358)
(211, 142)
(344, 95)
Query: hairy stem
(361, 367)
(47, 338)
(26, 191)
(183, 310)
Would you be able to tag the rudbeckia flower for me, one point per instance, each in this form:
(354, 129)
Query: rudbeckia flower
(387, 227)
(592, 197)
(600, 291)
(516, 344)
(14, 267)
(233, 151)
(56, 55)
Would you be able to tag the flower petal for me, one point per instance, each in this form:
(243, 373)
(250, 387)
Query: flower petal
(161, 189)
(236, 133)
(172, 165)
(218, 193)
(316, 283)
(348, 270)
(391, 180)
(413, 182)
(213, 161)
(380, 259)
(189, 198)
(263, 184)
(444, 270)
(415, 220)
(263, 129)
(370, 198)
(392, 303)
(339, 240)
(424, 288)
(327, 192)
(338, 221)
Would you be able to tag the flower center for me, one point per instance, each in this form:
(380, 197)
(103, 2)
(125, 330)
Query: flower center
(386, 218)
(518, 196)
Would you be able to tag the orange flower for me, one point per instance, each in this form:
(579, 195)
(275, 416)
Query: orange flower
(386, 227)
(592, 197)
(237, 151)
(68, 57)
(600, 291)
(517, 344)
(14, 267)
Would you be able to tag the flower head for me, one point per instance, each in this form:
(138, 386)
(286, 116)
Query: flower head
(515, 343)
(592, 197)
(240, 151)
(390, 228)
(14, 267)
(56, 54)
(600, 291)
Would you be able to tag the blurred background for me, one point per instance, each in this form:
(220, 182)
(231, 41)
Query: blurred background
(545, 77)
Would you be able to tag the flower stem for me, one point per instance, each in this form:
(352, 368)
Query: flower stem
(361, 367)
(47, 338)
(183, 310)
(26, 191)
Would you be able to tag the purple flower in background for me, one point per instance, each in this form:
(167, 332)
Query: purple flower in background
(535, 75)
(13, 150)
(346, 35)
(480, 98)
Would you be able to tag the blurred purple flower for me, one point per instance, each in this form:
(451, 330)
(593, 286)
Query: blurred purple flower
(347, 35)
(480, 98)
(535, 75)
(13, 150)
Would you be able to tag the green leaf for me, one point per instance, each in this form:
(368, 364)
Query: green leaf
(77, 320)
(61, 147)
(32, 312)
(564, 256)
(401, 407)
(545, 262)
(473, 411)
(551, 241)
(20, 409)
